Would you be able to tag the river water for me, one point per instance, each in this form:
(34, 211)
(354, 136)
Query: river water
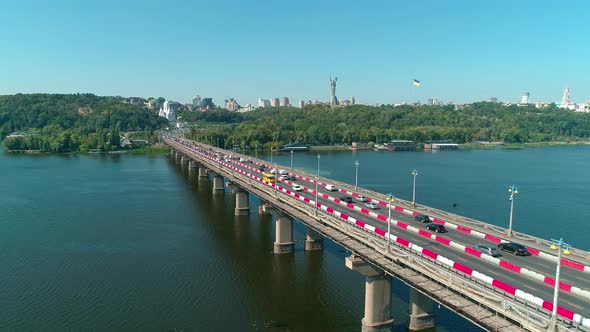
(124, 242)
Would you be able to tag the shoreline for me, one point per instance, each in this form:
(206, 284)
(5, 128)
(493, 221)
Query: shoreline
(162, 150)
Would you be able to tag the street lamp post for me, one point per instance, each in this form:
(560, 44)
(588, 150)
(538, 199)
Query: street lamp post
(356, 175)
(277, 179)
(390, 200)
(271, 154)
(414, 173)
(513, 190)
(291, 161)
(316, 184)
(557, 245)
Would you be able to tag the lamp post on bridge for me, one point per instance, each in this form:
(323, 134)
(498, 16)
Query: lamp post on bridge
(414, 173)
(291, 161)
(316, 185)
(356, 175)
(277, 178)
(558, 245)
(390, 200)
(513, 190)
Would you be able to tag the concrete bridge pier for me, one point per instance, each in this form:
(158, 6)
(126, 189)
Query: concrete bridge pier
(377, 295)
(184, 160)
(172, 153)
(284, 243)
(192, 164)
(177, 156)
(422, 313)
(314, 240)
(217, 183)
(261, 207)
(202, 172)
(242, 205)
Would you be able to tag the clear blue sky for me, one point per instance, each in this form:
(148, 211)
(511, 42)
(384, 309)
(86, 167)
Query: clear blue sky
(462, 51)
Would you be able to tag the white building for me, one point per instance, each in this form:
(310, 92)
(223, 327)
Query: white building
(232, 105)
(263, 103)
(301, 103)
(274, 102)
(525, 98)
(565, 100)
(247, 108)
(167, 112)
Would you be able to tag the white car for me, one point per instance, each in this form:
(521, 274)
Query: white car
(285, 177)
(283, 172)
(371, 205)
(331, 187)
(297, 187)
(273, 171)
(360, 198)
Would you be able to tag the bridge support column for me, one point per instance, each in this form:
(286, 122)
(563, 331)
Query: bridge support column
(192, 164)
(202, 172)
(217, 183)
(177, 156)
(184, 159)
(314, 240)
(422, 314)
(261, 209)
(172, 153)
(377, 295)
(242, 205)
(284, 235)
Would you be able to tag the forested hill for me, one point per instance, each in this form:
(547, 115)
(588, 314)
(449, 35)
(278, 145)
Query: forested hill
(321, 125)
(75, 118)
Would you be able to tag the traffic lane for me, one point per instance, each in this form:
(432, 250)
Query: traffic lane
(575, 273)
(571, 276)
(533, 263)
(498, 272)
(567, 300)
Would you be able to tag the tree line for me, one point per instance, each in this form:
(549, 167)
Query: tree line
(71, 122)
(319, 124)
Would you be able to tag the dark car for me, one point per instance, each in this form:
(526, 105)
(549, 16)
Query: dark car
(346, 199)
(436, 228)
(261, 168)
(422, 218)
(514, 248)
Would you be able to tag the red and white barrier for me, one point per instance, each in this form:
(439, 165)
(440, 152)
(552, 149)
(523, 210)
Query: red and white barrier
(463, 229)
(504, 264)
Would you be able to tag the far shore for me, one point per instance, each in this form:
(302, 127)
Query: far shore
(162, 149)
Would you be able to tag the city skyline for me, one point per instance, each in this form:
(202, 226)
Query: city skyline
(61, 47)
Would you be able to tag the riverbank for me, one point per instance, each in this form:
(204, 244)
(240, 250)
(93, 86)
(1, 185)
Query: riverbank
(151, 150)
(468, 146)
(475, 146)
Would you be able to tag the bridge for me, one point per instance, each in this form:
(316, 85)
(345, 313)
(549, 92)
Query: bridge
(506, 293)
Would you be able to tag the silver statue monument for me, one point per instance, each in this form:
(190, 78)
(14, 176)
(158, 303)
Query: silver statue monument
(333, 99)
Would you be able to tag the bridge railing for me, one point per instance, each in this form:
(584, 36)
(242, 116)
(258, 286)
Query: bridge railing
(508, 305)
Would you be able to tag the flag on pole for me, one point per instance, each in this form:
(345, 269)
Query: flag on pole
(416, 83)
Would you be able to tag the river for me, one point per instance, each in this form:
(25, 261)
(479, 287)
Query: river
(125, 242)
